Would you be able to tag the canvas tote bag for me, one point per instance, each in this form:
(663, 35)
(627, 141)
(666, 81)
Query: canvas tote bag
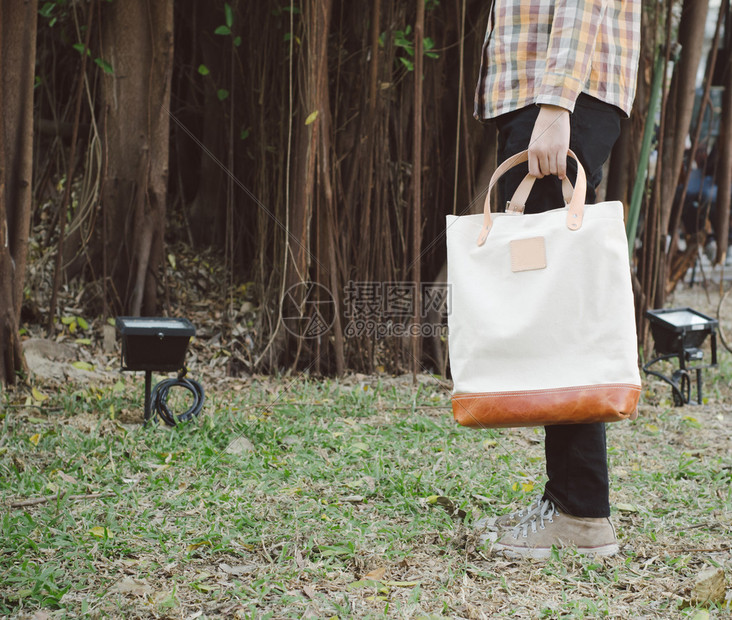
(541, 315)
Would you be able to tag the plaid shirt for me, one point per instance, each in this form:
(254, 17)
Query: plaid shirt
(550, 51)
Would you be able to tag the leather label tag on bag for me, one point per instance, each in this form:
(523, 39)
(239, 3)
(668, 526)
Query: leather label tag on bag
(528, 254)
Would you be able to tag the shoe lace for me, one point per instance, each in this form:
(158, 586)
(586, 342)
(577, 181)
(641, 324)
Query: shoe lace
(546, 511)
(531, 509)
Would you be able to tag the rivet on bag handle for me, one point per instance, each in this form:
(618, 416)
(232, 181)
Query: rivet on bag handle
(576, 205)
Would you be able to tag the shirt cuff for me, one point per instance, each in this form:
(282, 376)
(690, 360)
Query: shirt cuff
(559, 90)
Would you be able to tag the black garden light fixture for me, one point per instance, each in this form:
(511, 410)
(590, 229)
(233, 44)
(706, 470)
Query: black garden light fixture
(679, 333)
(159, 344)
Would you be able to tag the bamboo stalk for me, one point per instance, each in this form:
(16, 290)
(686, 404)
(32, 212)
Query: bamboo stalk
(417, 181)
(642, 171)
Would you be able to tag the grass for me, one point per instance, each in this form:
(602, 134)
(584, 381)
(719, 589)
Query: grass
(349, 499)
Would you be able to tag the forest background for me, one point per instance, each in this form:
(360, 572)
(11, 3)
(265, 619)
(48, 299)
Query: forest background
(292, 144)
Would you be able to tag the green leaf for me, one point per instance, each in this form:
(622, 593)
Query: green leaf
(223, 30)
(47, 9)
(244, 134)
(83, 341)
(228, 14)
(101, 532)
(222, 94)
(237, 41)
(82, 322)
(336, 550)
(38, 396)
(692, 421)
(104, 65)
(79, 47)
(203, 70)
(363, 583)
(83, 365)
(407, 63)
(311, 118)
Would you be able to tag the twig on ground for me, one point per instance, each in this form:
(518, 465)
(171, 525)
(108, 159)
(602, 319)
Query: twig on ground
(49, 498)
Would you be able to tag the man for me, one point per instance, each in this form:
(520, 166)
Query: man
(555, 75)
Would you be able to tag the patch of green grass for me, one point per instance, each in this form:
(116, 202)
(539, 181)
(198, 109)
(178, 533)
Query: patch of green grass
(336, 480)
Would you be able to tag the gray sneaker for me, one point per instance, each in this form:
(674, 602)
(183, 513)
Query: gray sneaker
(536, 534)
(506, 522)
(488, 528)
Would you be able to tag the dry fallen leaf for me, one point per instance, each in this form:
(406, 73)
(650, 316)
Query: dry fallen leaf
(448, 505)
(377, 574)
(128, 585)
(401, 584)
(240, 445)
(194, 546)
(708, 587)
(240, 569)
(66, 478)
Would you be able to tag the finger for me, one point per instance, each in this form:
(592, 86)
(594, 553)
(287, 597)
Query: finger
(534, 166)
(542, 159)
(562, 167)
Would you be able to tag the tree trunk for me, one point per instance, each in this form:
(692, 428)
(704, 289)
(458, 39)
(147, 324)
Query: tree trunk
(618, 178)
(305, 264)
(724, 168)
(137, 40)
(678, 121)
(208, 207)
(17, 67)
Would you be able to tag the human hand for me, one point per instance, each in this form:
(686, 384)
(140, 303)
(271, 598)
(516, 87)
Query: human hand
(549, 142)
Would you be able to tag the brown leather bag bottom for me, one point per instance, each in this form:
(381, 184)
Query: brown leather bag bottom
(574, 405)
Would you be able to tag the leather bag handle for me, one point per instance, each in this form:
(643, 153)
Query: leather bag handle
(521, 195)
(576, 206)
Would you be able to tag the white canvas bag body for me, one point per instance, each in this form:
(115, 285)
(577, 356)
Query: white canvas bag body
(541, 315)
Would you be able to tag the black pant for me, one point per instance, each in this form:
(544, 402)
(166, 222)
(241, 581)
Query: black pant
(576, 454)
